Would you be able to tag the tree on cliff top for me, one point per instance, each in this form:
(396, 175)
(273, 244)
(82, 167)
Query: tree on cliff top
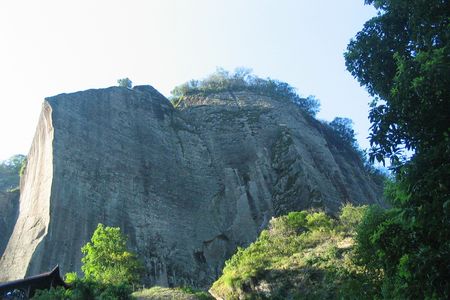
(107, 260)
(243, 79)
(125, 82)
(344, 128)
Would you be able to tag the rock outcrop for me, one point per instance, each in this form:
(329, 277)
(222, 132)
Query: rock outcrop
(9, 197)
(186, 185)
(9, 209)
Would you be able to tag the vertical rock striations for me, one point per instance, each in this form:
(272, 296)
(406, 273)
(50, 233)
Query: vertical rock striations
(187, 186)
(34, 208)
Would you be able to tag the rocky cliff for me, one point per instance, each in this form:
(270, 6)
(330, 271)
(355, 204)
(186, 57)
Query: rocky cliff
(9, 209)
(186, 185)
(9, 197)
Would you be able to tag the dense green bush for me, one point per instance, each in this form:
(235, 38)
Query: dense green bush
(303, 255)
(351, 217)
(366, 253)
(82, 289)
(178, 293)
(58, 293)
(242, 79)
(110, 270)
(107, 260)
(319, 221)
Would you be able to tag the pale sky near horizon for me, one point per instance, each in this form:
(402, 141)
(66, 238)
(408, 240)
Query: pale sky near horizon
(52, 47)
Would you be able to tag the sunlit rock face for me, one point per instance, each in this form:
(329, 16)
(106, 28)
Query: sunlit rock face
(186, 185)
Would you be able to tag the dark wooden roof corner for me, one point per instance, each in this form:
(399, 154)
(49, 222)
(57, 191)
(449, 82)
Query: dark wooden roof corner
(28, 286)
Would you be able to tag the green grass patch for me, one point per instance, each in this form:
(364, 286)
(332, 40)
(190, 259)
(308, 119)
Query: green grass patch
(162, 293)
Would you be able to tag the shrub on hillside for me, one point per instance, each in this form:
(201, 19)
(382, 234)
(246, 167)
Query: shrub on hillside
(303, 255)
(82, 289)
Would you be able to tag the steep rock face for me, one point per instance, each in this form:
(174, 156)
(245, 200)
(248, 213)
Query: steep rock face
(9, 209)
(9, 199)
(34, 214)
(187, 186)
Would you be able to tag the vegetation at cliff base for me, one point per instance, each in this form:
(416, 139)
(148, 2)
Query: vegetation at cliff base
(303, 255)
(243, 79)
(110, 270)
(107, 260)
(161, 293)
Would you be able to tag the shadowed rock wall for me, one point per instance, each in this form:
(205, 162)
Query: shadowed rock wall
(9, 209)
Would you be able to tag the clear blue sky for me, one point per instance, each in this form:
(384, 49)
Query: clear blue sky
(53, 47)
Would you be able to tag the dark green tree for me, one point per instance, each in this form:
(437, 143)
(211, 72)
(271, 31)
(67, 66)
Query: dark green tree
(344, 128)
(402, 57)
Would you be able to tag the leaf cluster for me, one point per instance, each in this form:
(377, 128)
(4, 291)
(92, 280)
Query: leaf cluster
(110, 270)
(107, 260)
(402, 56)
(344, 128)
(82, 289)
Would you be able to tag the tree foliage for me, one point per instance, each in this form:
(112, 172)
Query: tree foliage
(243, 79)
(109, 268)
(344, 128)
(82, 289)
(402, 57)
(125, 82)
(107, 260)
(10, 170)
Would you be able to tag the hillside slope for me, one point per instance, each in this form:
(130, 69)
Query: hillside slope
(302, 255)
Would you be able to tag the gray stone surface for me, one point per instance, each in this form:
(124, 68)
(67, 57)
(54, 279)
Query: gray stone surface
(9, 209)
(187, 186)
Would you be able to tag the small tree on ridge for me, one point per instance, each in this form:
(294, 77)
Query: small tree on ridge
(125, 82)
